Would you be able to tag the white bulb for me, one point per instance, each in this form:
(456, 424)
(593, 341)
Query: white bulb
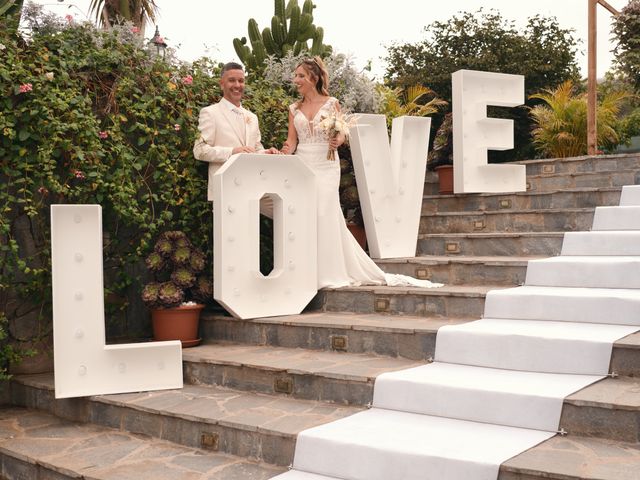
(401, 191)
(398, 219)
(230, 209)
(77, 218)
(287, 184)
(377, 219)
(237, 181)
(230, 268)
(236, 292)
(292, 266)
(78, 257)
(82, 370)
(292, 236)
(79, 333)
(263, 174)
(78, 296)
(122, 367)
(231, 238)
(292, 209)
(372, 191)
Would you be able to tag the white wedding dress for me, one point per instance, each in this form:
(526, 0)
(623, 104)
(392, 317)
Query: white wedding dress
(341, 261)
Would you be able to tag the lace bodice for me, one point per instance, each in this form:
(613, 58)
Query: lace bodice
(309, 130)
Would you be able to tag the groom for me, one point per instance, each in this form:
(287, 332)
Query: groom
(226, 128)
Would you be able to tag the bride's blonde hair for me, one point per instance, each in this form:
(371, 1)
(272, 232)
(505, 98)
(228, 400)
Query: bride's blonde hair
(315, 67)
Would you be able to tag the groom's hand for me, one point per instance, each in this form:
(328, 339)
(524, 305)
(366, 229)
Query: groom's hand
(243, 150)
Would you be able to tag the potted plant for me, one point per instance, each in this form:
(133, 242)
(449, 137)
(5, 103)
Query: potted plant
(179, 290)
(440, 157)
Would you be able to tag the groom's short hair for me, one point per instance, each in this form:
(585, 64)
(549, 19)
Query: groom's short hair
(230, 66)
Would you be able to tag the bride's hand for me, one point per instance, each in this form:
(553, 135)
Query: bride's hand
(336, 141)
(285, 149)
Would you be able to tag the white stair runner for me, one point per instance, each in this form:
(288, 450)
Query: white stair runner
(497, 385)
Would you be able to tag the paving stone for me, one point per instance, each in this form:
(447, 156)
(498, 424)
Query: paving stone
(97, 453)
(573, 458)
(462, 270)
(259, 427)
(562, 198)
(490, 244)
(549, 220)
(316, 375)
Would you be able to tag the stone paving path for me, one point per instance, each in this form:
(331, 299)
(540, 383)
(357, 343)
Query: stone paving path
(33, 442)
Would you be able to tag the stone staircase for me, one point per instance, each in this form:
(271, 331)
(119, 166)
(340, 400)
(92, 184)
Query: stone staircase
(255, 384)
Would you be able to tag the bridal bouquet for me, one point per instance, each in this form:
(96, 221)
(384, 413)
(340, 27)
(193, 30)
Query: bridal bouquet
(335, 124)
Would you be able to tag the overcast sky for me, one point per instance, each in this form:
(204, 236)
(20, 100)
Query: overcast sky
(361, 28)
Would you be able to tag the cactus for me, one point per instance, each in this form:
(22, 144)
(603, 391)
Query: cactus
(290, 30)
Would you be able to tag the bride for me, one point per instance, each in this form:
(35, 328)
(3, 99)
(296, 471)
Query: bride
(341, 261)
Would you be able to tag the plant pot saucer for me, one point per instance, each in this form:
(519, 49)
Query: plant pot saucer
(191, 343)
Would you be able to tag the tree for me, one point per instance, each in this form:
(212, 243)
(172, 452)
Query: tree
(544, 53)
(114, 12)
(561, 122)
(626, 30)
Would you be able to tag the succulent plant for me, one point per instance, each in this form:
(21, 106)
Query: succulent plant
(170, 295)
(155, 262)
(177, 266)
(183, 277)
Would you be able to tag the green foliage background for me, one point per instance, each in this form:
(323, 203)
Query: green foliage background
(543, 52)
(87, 116)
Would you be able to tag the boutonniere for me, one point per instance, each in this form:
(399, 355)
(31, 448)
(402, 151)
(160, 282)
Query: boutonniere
(247, 119)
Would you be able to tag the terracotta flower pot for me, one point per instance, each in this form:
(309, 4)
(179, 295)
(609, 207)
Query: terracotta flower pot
(178, 323)
(445, 179)
(359, 234)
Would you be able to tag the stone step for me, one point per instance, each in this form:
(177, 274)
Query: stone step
(449, 301)
(575, 458)
(491, 244)
(343, 378)
(407, 336)
(589, 171)
(462, 270)
(545, 220)
(394, 336)
(583, 164)
(570, 198)
(251, 425)
(38, 445)
(564, 181)
(607, 409)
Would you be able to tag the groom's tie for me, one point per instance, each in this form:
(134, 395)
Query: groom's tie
(240, 121)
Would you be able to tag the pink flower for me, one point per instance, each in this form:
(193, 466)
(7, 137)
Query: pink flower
(26, 87)
(188, 80)
(102, 134)
(135, 30)
(160, 40)
(176, 127)
(69, 18)
(43, 191)
(79, 174)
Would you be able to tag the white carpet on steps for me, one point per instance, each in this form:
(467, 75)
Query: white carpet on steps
(497, 386)
(487, 395)
(299, 475)
(565, 304)
(383, 444)
(529, 345)
(585, 271)
(617, 218)
(601, 243)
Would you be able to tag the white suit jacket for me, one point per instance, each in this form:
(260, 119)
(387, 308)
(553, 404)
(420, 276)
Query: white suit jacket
(220, 134)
